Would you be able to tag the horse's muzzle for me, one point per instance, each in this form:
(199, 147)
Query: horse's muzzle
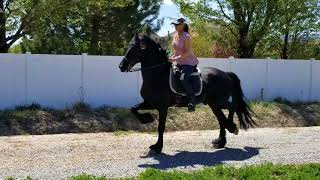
(124, 65)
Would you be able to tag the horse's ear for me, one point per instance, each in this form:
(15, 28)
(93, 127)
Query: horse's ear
(136, 37)
(134, 34)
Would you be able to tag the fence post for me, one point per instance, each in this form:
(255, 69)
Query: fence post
(83, 58)
(230, 63)
(311, 78)
(266, 91)
(27, 58)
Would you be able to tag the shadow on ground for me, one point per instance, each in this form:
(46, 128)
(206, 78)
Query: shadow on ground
(186, 158)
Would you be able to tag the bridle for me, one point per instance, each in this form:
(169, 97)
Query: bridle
(141, 69)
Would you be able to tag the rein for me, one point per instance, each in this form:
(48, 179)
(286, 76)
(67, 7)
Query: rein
(146, 69)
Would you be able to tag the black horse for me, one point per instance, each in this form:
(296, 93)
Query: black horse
(218, 89)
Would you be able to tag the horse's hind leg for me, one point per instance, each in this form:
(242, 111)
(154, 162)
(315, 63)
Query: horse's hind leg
(221, 141)
(230, 125)
(144, 118)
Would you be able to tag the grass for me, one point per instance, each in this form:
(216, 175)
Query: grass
(81, 118)
(263, 172)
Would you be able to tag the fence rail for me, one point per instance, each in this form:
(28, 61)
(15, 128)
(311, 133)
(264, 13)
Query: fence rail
(58, 81)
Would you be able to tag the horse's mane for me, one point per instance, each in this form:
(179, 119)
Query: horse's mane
(154, 46)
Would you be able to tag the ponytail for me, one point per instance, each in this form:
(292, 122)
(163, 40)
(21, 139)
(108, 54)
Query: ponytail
(186, 28)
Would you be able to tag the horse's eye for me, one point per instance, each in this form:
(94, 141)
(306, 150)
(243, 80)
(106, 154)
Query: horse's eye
(143, 46)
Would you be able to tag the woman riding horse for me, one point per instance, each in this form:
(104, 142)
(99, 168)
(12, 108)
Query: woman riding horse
(185, 59)
(218, 88)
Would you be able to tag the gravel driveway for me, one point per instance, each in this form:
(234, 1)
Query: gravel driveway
(62, 156)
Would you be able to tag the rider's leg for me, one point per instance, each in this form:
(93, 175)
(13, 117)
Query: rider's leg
(187, 70)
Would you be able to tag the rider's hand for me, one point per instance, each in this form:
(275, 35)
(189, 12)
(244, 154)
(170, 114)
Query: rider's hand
(171, 59)
(174, 58)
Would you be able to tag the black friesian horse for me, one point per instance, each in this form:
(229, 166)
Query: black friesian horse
(221, 90)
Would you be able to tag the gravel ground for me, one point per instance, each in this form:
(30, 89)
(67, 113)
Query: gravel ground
(62, 156)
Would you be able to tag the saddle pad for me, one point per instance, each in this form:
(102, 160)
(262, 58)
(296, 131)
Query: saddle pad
(176, 85)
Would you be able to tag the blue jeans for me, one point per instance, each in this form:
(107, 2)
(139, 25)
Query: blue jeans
(186, 71)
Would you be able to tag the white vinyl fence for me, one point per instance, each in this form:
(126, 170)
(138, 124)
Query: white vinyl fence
(59, 81)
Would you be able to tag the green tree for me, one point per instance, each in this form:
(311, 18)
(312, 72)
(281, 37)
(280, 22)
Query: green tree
(212, 40)
(97, 27)
(16, 19)
(202, 39)
(247, 20)
(297, 22)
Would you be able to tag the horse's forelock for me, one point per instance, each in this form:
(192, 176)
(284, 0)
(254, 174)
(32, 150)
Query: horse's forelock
(135, 39)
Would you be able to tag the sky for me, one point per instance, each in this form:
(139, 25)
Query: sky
(169, 12)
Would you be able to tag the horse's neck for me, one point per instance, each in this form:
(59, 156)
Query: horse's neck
(159, 73)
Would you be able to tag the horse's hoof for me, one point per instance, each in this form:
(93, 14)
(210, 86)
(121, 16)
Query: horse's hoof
(219, 143)
(236, 131)
(156, 148)
(146, 118)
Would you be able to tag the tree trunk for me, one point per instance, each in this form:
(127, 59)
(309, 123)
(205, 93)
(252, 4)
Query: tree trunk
(245, 48)
(4, 49)
(3, 39)
(284, 52)
(246, 51)
(94, 41)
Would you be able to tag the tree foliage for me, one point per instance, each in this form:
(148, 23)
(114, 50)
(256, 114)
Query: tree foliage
(274, 28)
(17, 18)
(295, 28)
(247, 20)
(212, 40)
(99, 27)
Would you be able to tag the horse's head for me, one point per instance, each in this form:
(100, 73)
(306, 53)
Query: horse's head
(134, 54)
(140, 49)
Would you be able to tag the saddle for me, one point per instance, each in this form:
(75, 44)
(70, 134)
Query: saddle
(176, 85)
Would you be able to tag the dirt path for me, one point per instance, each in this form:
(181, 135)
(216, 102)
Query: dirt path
(61, 156)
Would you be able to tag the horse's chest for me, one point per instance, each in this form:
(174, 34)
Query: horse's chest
(154, 91)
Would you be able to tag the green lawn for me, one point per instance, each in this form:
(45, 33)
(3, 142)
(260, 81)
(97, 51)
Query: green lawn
(263, 172)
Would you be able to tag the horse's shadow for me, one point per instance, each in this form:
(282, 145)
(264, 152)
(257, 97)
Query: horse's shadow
(186, 158)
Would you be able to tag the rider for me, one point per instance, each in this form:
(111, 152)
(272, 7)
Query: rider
(185, 58)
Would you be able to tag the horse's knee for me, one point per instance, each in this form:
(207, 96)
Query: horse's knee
(146, 118)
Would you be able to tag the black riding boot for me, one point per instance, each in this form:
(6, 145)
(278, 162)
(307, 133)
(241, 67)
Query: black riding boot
(192, 103)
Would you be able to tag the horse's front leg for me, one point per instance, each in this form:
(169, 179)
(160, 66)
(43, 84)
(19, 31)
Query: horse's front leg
(144, 118)
(162, 125)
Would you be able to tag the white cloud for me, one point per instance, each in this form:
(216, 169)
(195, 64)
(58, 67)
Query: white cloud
(168, 2)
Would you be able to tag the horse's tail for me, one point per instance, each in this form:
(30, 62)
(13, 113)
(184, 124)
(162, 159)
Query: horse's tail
(243, 110)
